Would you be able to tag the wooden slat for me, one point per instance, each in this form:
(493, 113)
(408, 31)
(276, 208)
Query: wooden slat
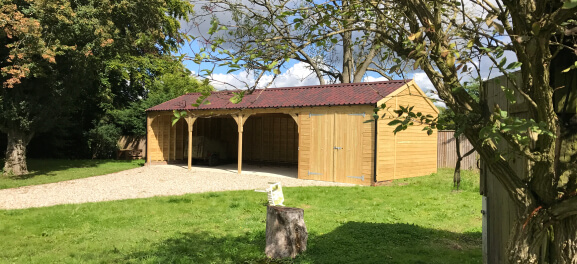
(447, 154)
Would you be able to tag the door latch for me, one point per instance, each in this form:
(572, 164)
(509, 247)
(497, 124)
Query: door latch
(338, 148)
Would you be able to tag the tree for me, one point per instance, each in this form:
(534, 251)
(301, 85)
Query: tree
(448, 40)
(447, 119)
(129, 119)
(257, 33)
(59, 51)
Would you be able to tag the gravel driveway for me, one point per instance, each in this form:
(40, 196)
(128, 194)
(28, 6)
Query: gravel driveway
(157, 180)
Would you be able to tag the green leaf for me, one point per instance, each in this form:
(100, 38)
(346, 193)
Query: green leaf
(536, 28)
(450, 60)
(570, 4)
(514, 65)
(394, 122)
(174, 120)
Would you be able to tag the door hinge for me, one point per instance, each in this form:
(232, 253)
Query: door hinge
(314, 173)
(359, 114)
(362, 177)
(311, 114)
(337, 148)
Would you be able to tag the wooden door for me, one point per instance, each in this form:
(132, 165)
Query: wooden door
(348, 148)
(321, 147)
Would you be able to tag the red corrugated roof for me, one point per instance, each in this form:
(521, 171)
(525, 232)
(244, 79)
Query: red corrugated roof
(317, 95)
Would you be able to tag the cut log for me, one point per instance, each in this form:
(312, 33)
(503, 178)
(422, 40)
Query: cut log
(286, 232)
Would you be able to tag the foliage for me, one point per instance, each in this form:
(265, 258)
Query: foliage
(450, 41)
(103, 141)
(69, 59)
(44, 171)
(175, 81)
(414, 220)
(264, 36)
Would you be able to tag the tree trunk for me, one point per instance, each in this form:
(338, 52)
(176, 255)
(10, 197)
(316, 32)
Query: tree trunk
(457, 173)
(286, 232)
(15, 163)
(564, 242)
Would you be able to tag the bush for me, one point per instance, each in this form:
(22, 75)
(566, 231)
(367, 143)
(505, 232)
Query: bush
(103, 141)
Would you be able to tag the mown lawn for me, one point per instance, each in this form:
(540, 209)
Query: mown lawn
(418, 220)
(55, 170)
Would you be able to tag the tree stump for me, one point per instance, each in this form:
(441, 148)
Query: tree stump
(286, 232)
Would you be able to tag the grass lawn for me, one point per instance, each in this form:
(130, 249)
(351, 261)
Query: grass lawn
(418, 220)
(55, 170)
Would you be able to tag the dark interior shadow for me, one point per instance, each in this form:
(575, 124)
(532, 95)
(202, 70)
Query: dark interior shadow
(352, 242)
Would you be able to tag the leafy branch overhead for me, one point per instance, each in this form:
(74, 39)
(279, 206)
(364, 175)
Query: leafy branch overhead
(404, 118)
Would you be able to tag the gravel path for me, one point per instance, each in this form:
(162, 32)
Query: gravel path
(158, 180)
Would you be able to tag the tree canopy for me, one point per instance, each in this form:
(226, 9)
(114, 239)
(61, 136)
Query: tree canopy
(60, 56)
(263, 36)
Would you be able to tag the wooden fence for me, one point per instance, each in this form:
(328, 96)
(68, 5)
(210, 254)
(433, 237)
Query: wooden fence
(447, 153)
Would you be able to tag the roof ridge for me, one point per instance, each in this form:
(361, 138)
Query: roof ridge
(316, 86)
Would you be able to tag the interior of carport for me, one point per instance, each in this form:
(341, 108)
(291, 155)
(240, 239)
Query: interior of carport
(268, 139)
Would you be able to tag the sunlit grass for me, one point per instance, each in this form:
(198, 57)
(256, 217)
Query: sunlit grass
(55, 170)
(418, 220)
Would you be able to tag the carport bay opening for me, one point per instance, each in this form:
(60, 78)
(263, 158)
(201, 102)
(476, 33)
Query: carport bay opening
(267, 139)
(329, 142)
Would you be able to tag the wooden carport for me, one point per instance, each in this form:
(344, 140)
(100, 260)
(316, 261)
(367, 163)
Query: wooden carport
(334, 143)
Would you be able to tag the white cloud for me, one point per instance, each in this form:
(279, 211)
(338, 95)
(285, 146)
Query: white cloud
(423, 81)
(297, 75)
(374, 79)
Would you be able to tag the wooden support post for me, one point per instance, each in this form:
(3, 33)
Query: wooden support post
(296, 118)
(240, 119)
(286, 232)
(190, 121)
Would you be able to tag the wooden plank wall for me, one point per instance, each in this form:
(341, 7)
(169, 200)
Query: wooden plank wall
(305, 139)
(322, 143)
(501, 213)
(221, 130)
(165, 139)
(128, 142)
(409, 153)
(447, 153)
(270, 138)
(322, 129)
(159, 135)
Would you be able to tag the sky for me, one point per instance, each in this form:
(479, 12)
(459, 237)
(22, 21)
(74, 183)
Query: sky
(295, 73)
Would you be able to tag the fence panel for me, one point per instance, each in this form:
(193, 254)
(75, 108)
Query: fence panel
(447, 152)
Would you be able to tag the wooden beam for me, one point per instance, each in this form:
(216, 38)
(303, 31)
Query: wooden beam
(240, 120)
(295, 116)
(190, 121)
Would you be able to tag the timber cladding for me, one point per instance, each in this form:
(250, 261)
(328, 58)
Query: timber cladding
(408, 153)
(328, 142)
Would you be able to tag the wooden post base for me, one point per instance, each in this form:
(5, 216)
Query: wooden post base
(286, 232)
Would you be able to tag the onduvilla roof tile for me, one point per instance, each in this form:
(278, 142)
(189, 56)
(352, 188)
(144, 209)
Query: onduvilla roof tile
(367, 93)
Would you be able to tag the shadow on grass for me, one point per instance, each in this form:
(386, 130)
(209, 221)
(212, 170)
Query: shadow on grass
(48, 167)
(352, 242)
